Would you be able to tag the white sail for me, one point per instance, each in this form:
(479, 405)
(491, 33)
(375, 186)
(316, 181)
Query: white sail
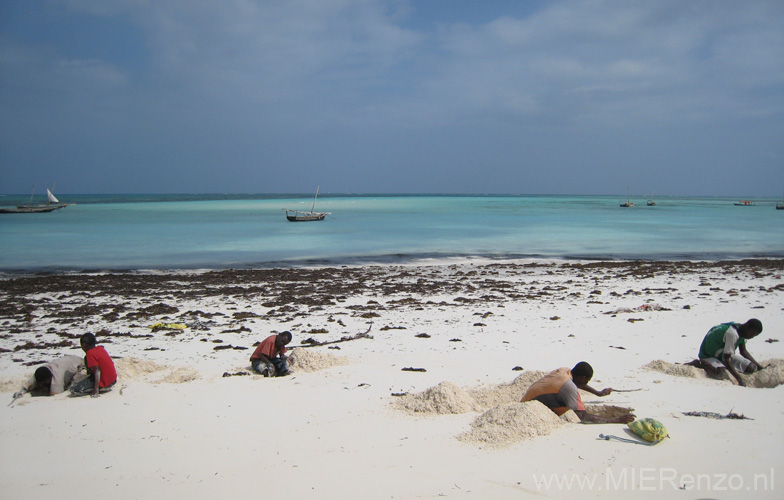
(51, 197)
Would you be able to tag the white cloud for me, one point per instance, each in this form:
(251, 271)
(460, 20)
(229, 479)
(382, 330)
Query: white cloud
(272, 51)
(313, 57)
(219, 76)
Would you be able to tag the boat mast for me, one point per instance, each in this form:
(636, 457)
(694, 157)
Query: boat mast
(314, 199)
(33, 193)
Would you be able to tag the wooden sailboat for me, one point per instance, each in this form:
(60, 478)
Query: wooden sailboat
(52, 204)
(299, 216)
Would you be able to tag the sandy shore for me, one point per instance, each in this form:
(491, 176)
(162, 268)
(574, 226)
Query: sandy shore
(344, 425)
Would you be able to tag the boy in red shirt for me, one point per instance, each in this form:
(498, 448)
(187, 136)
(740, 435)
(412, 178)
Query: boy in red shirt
(99, 365)
(269, 357)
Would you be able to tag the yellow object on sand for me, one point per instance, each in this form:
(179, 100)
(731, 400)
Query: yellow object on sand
(167, 326)
(649, 429)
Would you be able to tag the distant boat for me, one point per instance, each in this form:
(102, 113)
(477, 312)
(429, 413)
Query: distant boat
(744, 203)
(299, 216)
(651, 203)
(627, 203)
(52, 204)
(23, 209)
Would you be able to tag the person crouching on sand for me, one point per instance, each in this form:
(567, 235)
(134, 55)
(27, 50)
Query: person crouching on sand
(53, 377)
(558, 390)
(717, 351)
(269, 357)
(100, 367)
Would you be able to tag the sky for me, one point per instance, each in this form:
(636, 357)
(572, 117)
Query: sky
(666, 97)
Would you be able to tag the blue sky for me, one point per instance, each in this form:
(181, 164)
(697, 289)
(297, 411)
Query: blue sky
(390, 96)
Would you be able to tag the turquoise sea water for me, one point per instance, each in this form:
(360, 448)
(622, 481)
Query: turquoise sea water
(222, 231)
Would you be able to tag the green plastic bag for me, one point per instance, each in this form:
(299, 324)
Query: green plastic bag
(649, 429)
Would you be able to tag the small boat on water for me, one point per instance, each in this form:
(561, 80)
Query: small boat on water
(52, 204)
(297, 216)
(744, 203)
(300, 216)
(628, 203)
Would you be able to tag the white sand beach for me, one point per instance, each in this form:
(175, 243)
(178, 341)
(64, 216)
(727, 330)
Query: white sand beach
(187, 419)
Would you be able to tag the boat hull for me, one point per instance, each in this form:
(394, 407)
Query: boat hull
(305, 216)
(28, 210)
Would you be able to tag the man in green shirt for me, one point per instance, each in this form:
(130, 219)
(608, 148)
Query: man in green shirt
(717, 351)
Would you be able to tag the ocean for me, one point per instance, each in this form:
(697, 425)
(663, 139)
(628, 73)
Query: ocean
(129, 232)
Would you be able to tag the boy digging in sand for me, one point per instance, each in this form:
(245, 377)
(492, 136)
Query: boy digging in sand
(53, 377)
(558, 391)
(269, 357)
(717, 351)
(100, 367)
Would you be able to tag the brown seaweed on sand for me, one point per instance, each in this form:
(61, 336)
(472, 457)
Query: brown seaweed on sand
(711, 414)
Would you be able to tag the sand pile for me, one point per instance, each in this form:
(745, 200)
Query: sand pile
(308, 360)
(132, 368)
(447, 397)
(771, 376)
(444, 398)
(492, 396)
(512, 422)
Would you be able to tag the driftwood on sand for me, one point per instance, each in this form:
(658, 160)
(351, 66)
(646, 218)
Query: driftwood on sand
(311, 342)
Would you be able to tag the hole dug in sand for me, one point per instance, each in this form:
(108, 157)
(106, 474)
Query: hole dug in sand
(134, 368)
(771, 376)
(609, 411)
